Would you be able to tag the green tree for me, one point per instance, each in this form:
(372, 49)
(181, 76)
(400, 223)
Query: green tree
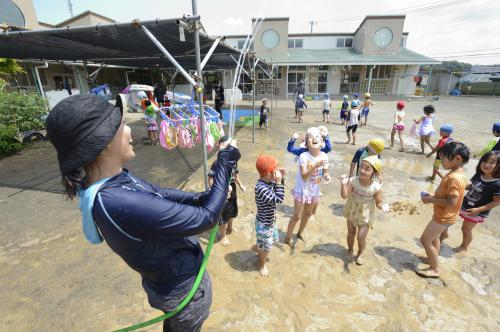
(8, 67)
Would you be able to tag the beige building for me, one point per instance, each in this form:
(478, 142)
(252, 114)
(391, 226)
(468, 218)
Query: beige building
(373, 58)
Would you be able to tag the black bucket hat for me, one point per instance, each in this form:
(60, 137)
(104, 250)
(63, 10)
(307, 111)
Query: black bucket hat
(80, 127)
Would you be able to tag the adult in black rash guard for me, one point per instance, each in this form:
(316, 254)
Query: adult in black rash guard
(151, 228)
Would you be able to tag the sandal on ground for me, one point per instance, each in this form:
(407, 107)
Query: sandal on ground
(427, 273)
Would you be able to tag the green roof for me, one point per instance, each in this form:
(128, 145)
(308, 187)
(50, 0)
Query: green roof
(347, 56)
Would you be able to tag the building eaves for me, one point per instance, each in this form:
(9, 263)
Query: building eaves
(79, 16)
(379, 17)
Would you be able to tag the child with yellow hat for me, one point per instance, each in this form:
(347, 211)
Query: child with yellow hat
(363, 194)
(374, 147)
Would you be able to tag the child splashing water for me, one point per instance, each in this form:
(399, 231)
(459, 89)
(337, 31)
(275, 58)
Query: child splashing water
(269, 190)
(447, 200)
(483, 195)
(363, 193)
(312, 169)
(426, 129)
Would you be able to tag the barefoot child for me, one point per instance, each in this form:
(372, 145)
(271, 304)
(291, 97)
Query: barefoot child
(363, 193)
(447, 200)
(269, 190)
(445, 131)
(398, 125)
(366, 108)
(300, 105)
(327, 103)
(344, 109)
(312, 169)
(264, 111)
(230, 210)
(150, 122)
(426, 129)
(352, 122)
(483, 195)
(494, 144)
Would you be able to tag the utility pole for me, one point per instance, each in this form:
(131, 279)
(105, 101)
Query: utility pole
(312, 23)
(70, 6)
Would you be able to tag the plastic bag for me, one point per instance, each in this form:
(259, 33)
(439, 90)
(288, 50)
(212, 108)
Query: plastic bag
(413, 130)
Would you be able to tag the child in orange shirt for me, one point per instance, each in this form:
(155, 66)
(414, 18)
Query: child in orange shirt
(447, 200)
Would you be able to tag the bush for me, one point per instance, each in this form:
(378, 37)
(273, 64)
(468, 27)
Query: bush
(23, 111)
(8, 143)
(19, 112)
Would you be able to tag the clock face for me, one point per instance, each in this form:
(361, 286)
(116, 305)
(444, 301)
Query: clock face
(270, 38)
(383, 37)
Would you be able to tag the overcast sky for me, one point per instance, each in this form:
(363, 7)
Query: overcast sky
(463, 30)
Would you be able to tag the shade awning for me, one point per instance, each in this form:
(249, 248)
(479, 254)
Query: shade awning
(122, 44)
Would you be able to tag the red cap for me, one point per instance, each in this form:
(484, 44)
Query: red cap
(400, 105)
(266, 164)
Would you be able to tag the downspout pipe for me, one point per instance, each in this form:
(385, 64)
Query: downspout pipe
(126, 75)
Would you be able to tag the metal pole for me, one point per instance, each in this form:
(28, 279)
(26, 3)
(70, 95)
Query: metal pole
(428, 81)
(272, 94)
(199, 90)
(253, 98)
(40, 87)
(210, 51)
(170, 57)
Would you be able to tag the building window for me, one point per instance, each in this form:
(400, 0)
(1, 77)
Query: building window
(403, 41)
(379, 73)
(295, 43)
(344, 42)
(317, 79)
(295, 74)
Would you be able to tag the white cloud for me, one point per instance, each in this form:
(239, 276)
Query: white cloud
(234, 21)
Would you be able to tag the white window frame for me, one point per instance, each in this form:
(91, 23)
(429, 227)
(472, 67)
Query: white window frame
(343, 43)
(294, 42)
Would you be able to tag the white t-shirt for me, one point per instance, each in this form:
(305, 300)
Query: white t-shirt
(327, 104)
(310, 187)
(399, 117)
(353, 117)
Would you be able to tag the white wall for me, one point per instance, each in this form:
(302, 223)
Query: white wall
(333, 86)
(319, 42)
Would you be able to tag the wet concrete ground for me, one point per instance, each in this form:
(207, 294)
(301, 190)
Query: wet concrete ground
(52, 280)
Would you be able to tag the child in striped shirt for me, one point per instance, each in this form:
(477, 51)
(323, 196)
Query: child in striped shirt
(269, 190)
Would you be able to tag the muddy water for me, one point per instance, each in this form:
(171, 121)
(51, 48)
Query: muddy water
(58, 282)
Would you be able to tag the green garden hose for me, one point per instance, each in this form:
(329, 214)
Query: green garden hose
(185, 301)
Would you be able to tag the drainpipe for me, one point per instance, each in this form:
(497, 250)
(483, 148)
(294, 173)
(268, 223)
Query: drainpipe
(126, 75)
(370, 78)
(40, 87)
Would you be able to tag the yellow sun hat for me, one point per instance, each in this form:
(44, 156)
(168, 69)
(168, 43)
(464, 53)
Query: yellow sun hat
(376, 144)
(375, 162)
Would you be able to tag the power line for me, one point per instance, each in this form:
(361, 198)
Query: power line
(469, 56)
(457, 52)
(410, 9)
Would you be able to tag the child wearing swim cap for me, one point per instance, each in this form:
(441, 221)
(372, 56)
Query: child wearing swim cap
(269, 191)
(398, 125)
(445, 132)
(363, 193)
(312, 169)
(344, 109)
(494, 144)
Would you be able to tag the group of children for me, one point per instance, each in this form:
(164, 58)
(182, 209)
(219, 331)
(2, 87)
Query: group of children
(455, 195)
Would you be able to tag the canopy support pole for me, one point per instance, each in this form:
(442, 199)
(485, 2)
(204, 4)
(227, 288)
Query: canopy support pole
(253, 97)
(199, 90)
(236, 61)
(40, 87)
(169, 56)
(210, 51)
(370, 79)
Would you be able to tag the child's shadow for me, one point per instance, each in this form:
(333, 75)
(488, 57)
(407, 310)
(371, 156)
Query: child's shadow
(331, 249)
(287, 210)
(399, 259)
(337, 209)
(242, 260)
